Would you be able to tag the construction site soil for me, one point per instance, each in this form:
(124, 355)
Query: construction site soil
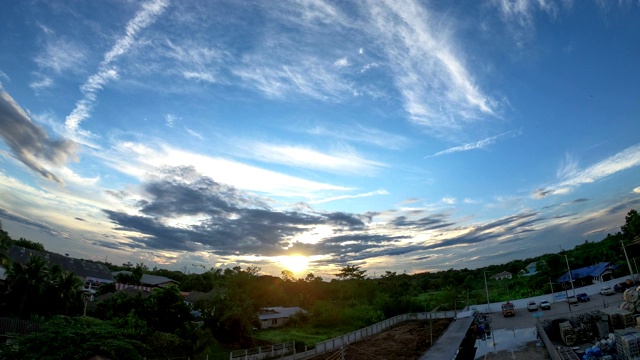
(407, 341)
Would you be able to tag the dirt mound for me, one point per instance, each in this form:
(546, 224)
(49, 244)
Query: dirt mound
(407, 341)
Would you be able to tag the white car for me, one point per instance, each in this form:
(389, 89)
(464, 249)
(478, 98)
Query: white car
(532, 306)
(545, 305)
(606, 290)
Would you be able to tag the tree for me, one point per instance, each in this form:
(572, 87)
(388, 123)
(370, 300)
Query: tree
(27, 284)
(351, 272)
(65, 293)
(631, 227)
(28, 244)
(64, 338)
(287, 275)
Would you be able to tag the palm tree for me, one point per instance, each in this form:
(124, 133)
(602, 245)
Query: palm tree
(66, 290)
(5, 244)
(27, 284)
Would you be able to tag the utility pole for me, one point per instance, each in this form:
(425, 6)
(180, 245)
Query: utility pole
(624, 249)
(570, 277)
(552, 293)
(486, 288)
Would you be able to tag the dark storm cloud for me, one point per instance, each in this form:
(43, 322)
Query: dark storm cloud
(507, 226)
(422, 258)
(235, 222)
(542, 193)
(24, 221)
(624, 206)
(426, 223)
(30, 143)
(111, 245)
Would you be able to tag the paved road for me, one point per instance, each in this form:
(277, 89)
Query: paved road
(516, 337)
(526, 319)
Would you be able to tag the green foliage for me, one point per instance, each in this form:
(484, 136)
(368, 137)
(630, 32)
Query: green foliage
(631, 227)
(30, 283)
(165, 309)
(351, 272)
(78, 338)
(22, 242)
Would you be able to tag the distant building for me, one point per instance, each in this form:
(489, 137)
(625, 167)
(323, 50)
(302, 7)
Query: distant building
(503, 275)
(277, 316)
(88, 271)
(148, 281)
(529, 269)
(594, 274)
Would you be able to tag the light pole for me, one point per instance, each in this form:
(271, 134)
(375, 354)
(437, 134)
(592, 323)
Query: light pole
(570, 277)
(486, 288)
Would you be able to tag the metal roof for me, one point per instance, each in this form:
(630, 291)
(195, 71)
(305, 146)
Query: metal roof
(279, 312)
(589, 271)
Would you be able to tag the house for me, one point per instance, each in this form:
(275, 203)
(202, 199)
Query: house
(91, 273)
(148, 281)
(593, 274)
(529, 269)
(277, 316)
(503, 275)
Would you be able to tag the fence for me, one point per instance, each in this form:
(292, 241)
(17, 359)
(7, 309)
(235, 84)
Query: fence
(336, 343)
(263, 352)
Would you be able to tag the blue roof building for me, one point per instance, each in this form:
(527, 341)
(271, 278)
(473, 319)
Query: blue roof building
(598, 273)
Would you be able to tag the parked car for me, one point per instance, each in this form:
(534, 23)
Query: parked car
(532, 306)
(572, 299)
(545, 305)
(606, 290)
(583, 297)
(621, 287)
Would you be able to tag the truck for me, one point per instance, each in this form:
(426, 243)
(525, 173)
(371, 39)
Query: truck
(508, 309)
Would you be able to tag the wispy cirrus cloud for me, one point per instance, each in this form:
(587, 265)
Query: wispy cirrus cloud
(60, 55)
(572, 176)
(344, 197)
(481, 144)
(106, 71)
(293, 75)
(438, 89)
(341, 161)
(137, 159)
(361, 134)
(519, 15)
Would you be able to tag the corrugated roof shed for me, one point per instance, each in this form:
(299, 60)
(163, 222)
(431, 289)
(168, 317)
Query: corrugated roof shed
(589, 271)
(279, 312)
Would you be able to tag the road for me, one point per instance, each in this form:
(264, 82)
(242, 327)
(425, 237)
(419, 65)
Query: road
(516, 337)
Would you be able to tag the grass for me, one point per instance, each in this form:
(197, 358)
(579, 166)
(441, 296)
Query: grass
(306, 334)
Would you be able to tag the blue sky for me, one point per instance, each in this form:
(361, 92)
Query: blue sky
(392, 135)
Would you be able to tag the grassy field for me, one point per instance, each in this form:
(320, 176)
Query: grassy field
(305, 334)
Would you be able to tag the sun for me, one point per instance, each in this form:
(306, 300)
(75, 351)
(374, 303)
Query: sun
(295, 263)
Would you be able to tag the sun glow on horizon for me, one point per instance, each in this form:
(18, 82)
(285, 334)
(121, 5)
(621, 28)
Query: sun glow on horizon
(294, 263)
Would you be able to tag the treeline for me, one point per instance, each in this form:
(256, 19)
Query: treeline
(230, 300)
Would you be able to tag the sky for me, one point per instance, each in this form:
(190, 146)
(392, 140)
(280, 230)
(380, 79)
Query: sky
(403, 136)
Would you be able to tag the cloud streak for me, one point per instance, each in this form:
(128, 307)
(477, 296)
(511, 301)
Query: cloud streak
(106, 73)
(481, 144)
(573, 177)
(438, 90)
